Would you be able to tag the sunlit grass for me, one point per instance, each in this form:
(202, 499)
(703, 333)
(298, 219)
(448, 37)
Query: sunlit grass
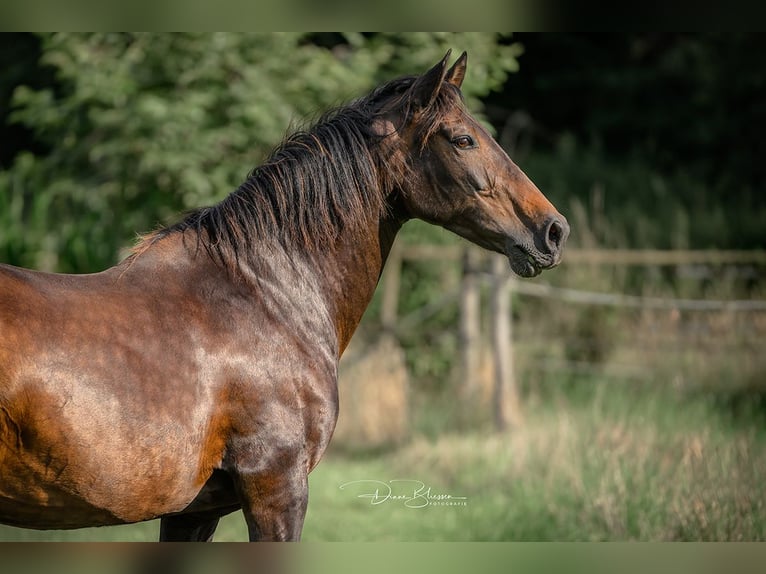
(620, 469)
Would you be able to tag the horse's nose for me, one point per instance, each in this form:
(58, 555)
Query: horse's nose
(556, 234)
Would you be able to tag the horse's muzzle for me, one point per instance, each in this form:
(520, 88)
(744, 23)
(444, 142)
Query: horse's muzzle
(526, 260)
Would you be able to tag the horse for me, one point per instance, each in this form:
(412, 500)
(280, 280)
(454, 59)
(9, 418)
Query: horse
(198, 376)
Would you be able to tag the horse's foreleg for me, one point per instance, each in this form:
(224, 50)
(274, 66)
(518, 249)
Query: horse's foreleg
(273, 451)
(274, 503)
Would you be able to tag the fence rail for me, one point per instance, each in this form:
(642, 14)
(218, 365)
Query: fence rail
(625, 257)
(477, 271)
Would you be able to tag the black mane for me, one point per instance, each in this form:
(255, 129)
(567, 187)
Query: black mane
(333, 176)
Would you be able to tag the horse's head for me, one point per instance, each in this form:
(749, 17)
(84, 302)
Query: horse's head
(461, 179)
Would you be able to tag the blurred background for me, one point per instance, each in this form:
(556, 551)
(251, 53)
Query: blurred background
(621, 396)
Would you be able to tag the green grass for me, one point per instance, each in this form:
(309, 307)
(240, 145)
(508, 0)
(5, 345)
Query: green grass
(608, 463)
(613, 468)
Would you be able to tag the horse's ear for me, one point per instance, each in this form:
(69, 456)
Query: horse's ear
(456, 73)
(426, 87)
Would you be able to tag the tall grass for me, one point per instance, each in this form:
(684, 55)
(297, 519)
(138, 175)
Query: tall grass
(612, 466)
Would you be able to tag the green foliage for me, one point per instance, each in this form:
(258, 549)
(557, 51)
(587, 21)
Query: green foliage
(633, 203)
(140, 127)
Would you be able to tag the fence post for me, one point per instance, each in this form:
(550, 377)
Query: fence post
(505, 399)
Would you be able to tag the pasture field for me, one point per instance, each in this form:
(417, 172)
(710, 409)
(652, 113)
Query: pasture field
(604, 463)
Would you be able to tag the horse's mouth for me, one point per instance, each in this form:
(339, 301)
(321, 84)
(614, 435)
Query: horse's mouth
(525, 263)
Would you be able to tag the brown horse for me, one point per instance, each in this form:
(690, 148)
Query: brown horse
(198, 376)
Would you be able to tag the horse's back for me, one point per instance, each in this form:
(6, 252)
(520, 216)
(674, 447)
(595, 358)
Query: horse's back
(34, 309)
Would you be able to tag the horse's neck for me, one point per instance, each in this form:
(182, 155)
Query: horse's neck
(353, 272)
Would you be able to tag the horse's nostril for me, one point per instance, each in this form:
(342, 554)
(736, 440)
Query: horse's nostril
(556, 234)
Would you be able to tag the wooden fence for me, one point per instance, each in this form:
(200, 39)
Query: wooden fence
(478, 266)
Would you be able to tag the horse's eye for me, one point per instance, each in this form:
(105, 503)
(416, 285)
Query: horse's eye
(463, 142)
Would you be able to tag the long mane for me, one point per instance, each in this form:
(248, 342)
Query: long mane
(330, 177)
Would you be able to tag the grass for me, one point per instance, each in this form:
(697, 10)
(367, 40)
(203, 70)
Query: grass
(613, 468)
(607, 463)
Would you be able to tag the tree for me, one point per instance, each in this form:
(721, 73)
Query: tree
(142, 126)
